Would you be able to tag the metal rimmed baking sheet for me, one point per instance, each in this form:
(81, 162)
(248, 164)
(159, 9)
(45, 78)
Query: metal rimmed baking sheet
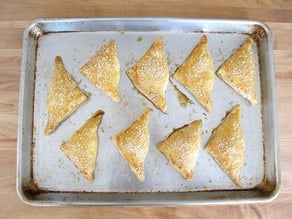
(44, 172)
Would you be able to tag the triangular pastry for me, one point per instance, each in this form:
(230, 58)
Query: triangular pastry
(82, 147)
(238, 71)
(227, 146)
(133, 144)
(197, 73)
(103, 70)
(64, 96)
(181, 148)
(150, 74)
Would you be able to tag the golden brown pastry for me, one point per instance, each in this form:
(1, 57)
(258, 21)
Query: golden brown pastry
(181, 148)
(133, 144)
(103, 70)
(64, 96)
(197, 74)
(150, 74)
(82, 147)
(238, 71)
(227, 147)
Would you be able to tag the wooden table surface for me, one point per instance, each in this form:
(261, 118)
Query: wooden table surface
(15, 14)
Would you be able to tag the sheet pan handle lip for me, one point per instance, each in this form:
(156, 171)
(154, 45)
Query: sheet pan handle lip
(39, 21)
(130, 19)
(50, 203)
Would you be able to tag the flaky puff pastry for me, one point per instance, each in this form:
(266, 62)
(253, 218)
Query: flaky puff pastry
(227, 146)
(150, 74)
(133, 144)
(82, 147)
(197, 73)
(103, 70)
(181, 148)
(238, 71)
(64, 96)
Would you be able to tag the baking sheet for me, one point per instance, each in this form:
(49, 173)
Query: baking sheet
(51, 169)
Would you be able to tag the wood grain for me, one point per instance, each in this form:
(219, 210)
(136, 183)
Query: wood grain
(14, 16)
